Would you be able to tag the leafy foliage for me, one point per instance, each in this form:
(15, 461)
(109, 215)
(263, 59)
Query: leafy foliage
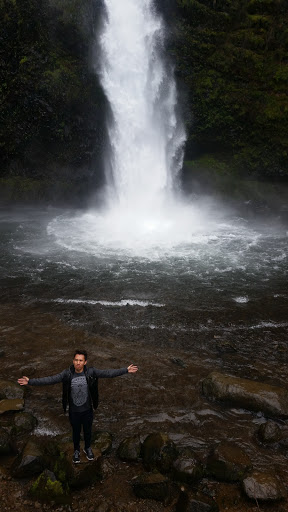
(50, 99)
(232, 57)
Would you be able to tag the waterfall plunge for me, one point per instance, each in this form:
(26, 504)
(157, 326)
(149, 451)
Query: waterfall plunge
(142, 215)
(146, 139)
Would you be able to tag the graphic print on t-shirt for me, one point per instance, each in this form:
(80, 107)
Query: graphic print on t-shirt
(79, 390)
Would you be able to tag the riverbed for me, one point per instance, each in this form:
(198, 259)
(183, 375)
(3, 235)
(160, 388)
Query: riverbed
(217, 302)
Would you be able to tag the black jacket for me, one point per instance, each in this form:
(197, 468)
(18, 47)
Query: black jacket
(92, 375)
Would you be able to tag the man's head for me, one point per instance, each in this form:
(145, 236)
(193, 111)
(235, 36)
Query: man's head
(79, 360)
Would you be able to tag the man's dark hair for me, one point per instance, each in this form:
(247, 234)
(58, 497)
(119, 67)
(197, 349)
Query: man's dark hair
(81, 353)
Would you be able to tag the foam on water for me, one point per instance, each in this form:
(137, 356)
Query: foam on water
(121, 303)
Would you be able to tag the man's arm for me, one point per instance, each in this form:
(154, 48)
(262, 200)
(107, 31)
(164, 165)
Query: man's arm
(42, 381)
(102, 374)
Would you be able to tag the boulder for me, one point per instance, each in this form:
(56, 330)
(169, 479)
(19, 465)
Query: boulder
(247, 394)
(158, 452)
(269, 432)
(102, 441)
(228, 462)
(5, 442)
(30, 462)
(10, 390)
(24, 422)
(48, 488)
(58, 458)
(190, 502)
(152, 486)
(16, 404)
(130, 448)
(263, 486)
(187, 469)
(79, 475)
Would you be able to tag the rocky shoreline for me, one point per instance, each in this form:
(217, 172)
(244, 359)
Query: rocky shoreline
(181, 436)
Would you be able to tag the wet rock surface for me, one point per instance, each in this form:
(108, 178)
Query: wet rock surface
(102, 441)
(152, 486)
(193, 502)
(269, 432)
(166, 399)
(130, 448)
(30, 462)
(248, 394)
(264, 486)
(228, 462)
(158, 452)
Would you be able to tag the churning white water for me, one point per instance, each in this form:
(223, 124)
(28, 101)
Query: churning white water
(146, 140)
(142, 216)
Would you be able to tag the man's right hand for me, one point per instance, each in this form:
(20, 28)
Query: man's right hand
(23, 381)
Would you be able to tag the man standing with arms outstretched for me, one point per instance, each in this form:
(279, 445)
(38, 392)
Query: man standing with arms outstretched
(80, 391)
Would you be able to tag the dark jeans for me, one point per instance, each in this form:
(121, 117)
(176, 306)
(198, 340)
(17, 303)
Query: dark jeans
(77, 419)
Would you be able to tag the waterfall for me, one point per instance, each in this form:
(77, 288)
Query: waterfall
(146, 138)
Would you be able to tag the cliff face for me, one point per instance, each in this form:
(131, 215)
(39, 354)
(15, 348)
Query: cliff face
(230, 61)
(231, 57)
(52, 116)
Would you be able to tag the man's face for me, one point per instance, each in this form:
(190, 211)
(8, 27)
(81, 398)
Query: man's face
(79, 363)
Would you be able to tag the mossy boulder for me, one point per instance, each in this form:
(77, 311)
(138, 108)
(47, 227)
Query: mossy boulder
(130, 448)
(264, 486)
(48, 488)
(228, 462)
(158, 452)
(247, 394)
(102, 441)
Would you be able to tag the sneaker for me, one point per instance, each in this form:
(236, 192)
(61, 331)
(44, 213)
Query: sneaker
(76, 457)
(89, 454)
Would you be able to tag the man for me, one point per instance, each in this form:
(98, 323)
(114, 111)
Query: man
(80, 391)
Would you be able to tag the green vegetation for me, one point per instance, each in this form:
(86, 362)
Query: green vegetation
(51, 102)
(232, 58)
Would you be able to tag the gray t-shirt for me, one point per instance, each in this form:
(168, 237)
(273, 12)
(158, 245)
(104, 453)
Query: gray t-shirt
(80, 400)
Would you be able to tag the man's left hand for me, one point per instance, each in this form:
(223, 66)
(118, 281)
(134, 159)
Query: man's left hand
(132, 368)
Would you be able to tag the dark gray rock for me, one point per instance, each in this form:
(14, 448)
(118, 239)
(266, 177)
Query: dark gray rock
(2, 353)
(247, 394)
(187, 469)
(228, 462)
(5, 442)
(30, 462)
(158, 452)
(152, 486)
(10, 390)
(24, 422)
(269, 432)
(190, 502)
(130, 448)
(87, 473)
(263, 486)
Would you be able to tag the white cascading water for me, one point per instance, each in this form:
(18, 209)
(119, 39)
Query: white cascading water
(142, 215)
(145, 136)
